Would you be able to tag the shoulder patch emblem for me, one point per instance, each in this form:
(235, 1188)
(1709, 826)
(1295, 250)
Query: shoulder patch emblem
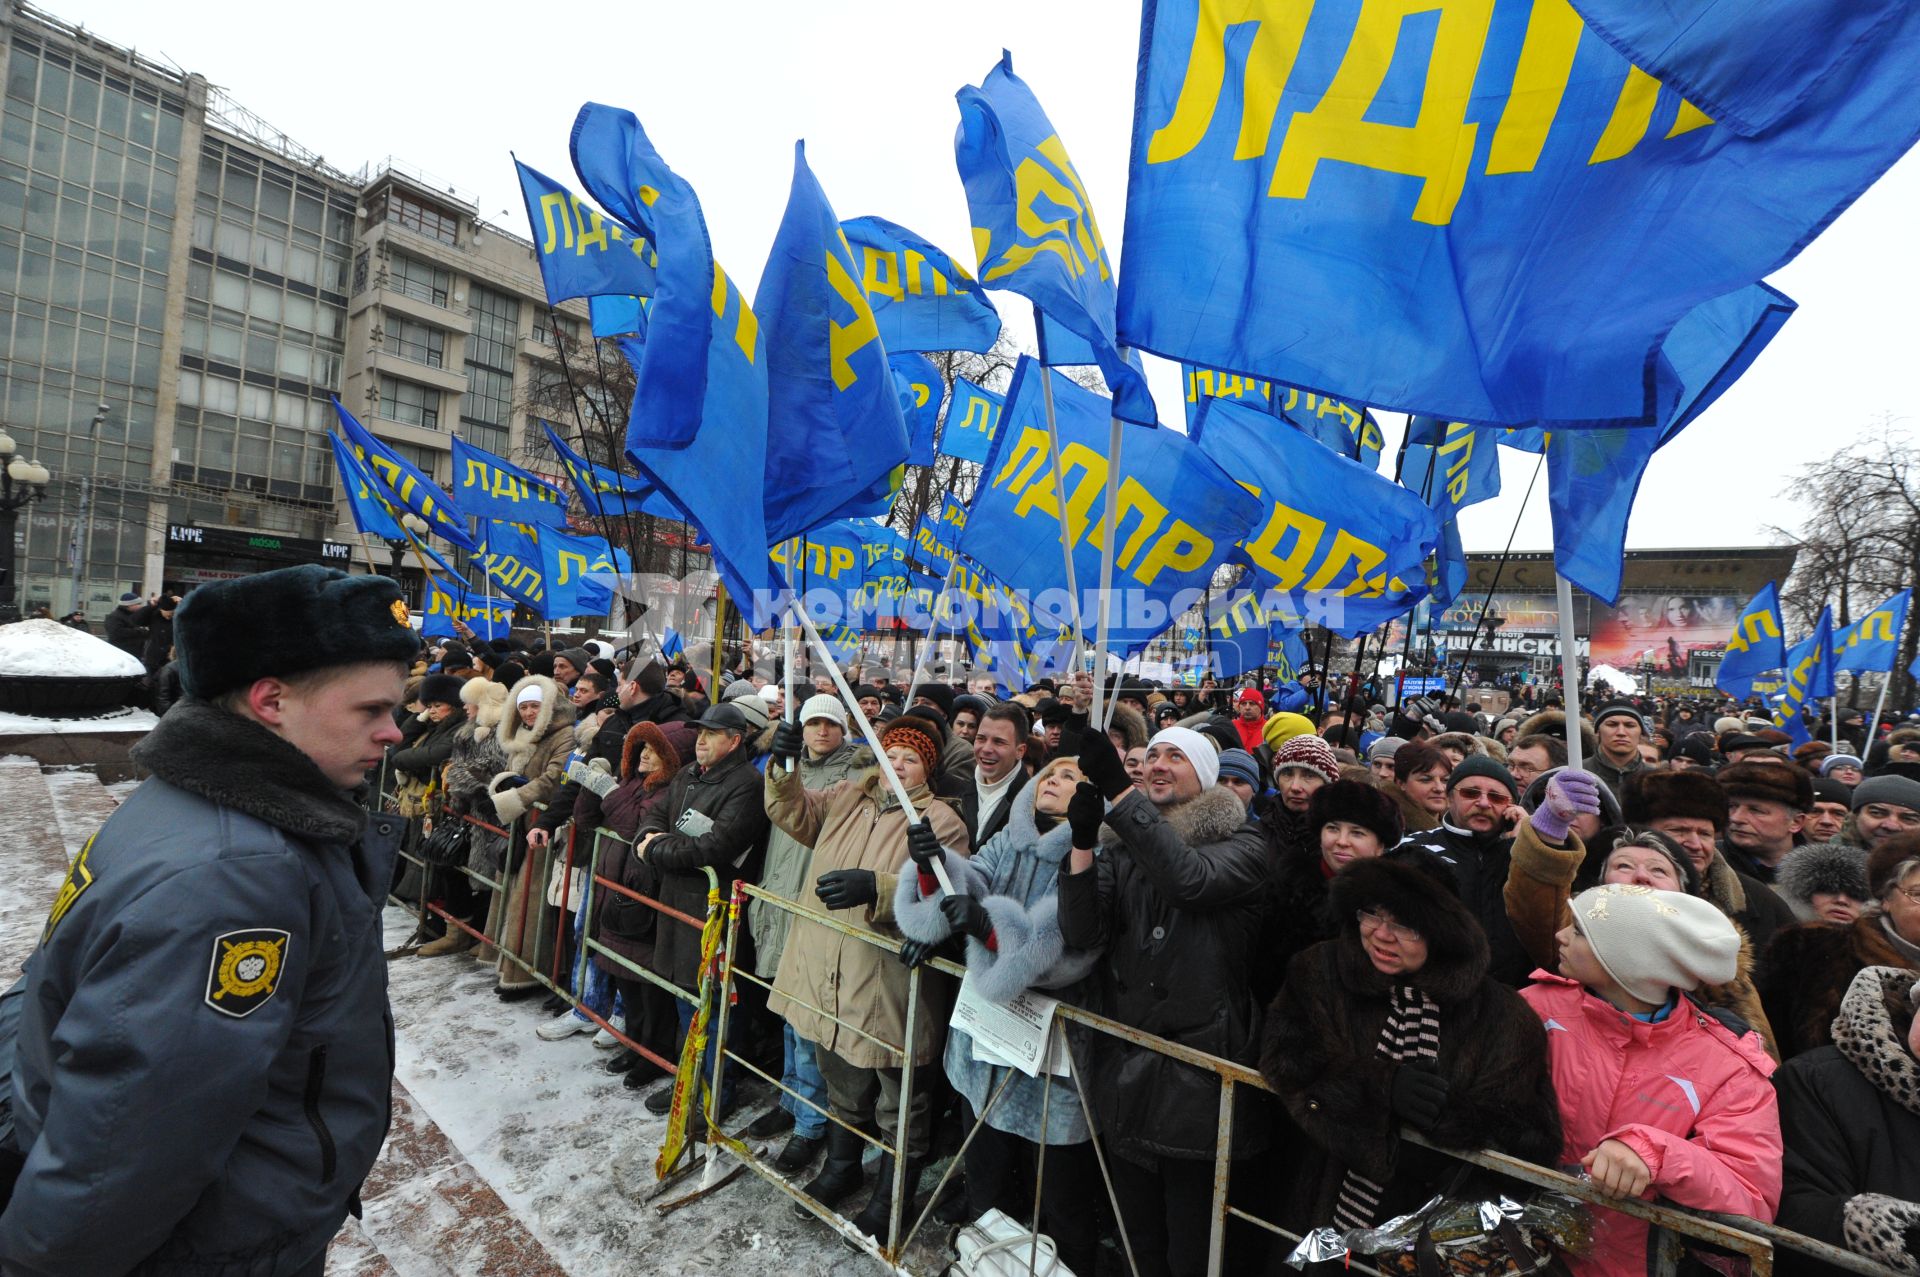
(79, 878)
(245, 970)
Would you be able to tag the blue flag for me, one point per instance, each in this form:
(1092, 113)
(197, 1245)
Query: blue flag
(834, 428)
(704, 359)
(618, 316)
(999, 629)
(581, 253)
(922, 299)
(1449, 574)
(952, 516)
(704, 351)
(1242, 628)
(830, 557)
(883, 569)
(1203, 384)
(1527, 439)
(1333, 422)
(1177, 516)
(488, 619)
(1757, 645)
(1593, 475)
(972, 420)
(404, 486)
(928, 548)
(510, 555)
(579, 574)
(605, 492)
(1513, 215)
(1287, 653)
(1328, 526)
(1873, 641)
(372, 516)
(492, 487)
(920, 388)
(1463, 460)
(1034, 230)
(1809, 678)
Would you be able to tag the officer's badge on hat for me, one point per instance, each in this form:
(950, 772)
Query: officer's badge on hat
(245, 970)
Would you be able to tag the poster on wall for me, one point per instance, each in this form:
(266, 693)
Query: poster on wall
(1661, 630)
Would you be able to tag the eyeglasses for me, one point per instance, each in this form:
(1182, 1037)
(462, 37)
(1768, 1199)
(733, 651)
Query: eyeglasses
(1911, 893)
(1383, 924)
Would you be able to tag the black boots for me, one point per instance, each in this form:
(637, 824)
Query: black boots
(872, 1219)
(840, 1174)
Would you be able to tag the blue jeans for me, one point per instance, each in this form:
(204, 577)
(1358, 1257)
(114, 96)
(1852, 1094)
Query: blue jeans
(684, 1012)
(800, 1073)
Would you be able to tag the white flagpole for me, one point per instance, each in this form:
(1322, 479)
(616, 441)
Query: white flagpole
(1873, 732)
(1569, 669)
(1060, 501)
(786, 639)
(1108, 520)
(859, 717)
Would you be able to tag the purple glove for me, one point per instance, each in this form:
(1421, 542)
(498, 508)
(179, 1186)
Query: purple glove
(1570, 793)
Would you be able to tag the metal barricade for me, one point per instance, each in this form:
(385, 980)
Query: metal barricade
(1750, 1239)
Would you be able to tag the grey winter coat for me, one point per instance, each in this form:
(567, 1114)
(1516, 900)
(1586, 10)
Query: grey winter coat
(205, 1052)
(1175, 899)
(477, 759)
(788, 860)
(1015, 876)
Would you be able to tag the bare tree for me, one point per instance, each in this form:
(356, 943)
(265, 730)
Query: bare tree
(1860, 541)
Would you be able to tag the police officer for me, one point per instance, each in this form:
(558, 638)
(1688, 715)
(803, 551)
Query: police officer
(205, 1051)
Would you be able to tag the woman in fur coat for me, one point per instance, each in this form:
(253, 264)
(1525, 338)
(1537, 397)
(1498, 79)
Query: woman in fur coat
(535, 736)
(475, 760)
(1850, 1116)
(1007, 906)
(1394, 1024)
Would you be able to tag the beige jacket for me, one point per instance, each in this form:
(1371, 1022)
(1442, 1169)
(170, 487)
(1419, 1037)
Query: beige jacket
(824, 976)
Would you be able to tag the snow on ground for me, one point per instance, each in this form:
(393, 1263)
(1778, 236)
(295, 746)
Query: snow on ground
(570, 1150)
(48, 649)
(80, 804)
(120, 720)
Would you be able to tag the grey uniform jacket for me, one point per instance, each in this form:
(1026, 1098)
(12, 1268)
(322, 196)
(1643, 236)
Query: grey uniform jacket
(205, 1054)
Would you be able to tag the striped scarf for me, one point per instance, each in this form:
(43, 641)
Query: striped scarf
(1412, 1032)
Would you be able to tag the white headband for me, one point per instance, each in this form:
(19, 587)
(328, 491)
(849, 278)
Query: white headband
(1199, 751)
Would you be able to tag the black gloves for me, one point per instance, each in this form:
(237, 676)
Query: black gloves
(923, 845)
(1418, 1095)
(915, 952)
(787, 742)
(965, 914)
(1085, 811)
(847, 888)
(1102, 763)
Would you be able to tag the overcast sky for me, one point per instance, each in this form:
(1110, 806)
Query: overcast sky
(725, 89)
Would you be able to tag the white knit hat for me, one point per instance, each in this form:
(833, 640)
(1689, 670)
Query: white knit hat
(531, 692)
(823, 706)
(1199, 751)
(1652, 941)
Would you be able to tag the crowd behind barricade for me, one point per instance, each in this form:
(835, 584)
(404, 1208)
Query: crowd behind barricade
(1687, 970)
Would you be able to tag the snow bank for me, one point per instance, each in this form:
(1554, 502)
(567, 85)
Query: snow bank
(120, 720)
(48, 649)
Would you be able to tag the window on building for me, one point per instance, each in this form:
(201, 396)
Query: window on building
(416, 342)
(544, 322)
(486, 412)
(404, 210)
(409, 403)
(420, 280)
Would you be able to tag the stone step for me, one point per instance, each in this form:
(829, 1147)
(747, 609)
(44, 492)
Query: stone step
(33, 860)
(81, 804)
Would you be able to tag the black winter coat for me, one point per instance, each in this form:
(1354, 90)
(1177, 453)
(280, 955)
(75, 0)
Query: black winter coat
(1175, 900)
(1480, 864)
(1297, 917)
(125, 630)
(1850, 1118)
(1322, 1054)
(426, 753)
(727, 795)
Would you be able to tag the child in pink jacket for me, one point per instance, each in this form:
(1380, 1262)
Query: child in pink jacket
(1657, 1097)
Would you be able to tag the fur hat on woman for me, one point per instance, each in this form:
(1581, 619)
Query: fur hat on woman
(1831, 867)
(672, 744)
(490, 701)
(1356, 803)
(1420, 892)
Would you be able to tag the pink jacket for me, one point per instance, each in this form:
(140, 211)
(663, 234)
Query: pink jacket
(1686, 1095)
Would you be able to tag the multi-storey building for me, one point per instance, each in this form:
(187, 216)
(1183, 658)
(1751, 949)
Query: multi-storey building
(168, 255)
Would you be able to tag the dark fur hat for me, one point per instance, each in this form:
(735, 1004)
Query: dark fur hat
(1688, 795)
(1834, 867)
(230, 634)
(440, 689)
(1357, 804)
(1769, 782)
(1418, 889)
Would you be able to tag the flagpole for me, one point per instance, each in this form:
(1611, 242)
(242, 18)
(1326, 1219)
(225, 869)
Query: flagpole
(786, 637)
(1060, 502)
(1878, 705)
(1569, 668)
(1109, 521)
(1833, 717)
(866, 727)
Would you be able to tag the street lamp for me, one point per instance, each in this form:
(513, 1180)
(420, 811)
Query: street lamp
(412, 523)
(22, 482)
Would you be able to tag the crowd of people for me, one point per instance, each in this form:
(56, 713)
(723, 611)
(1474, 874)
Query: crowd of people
(1687, 969)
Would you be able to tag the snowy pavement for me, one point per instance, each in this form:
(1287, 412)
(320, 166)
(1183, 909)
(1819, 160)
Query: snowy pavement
(509, 1156)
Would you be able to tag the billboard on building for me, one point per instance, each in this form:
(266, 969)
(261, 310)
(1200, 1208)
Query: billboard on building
(1662, 630)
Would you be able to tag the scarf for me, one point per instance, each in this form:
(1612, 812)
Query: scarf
(1412, 1032)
